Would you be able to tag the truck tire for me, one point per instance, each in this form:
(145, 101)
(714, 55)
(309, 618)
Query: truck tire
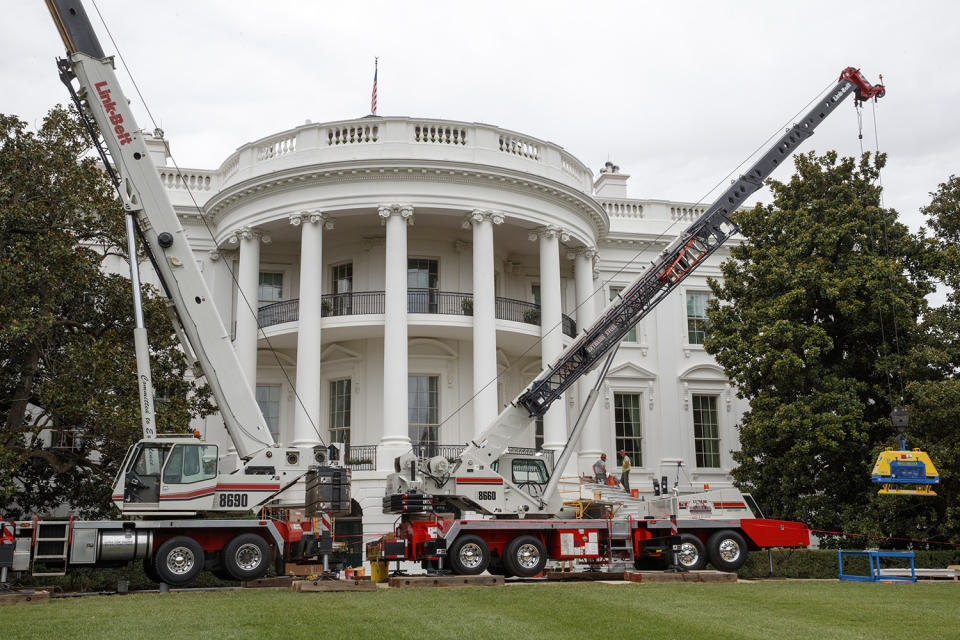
(246, 557)
(178, 560)
(524, 556)
(469, 555)
(692, 555)
(727, 549)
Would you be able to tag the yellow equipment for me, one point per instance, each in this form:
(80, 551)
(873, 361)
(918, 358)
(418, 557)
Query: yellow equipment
(897, 469)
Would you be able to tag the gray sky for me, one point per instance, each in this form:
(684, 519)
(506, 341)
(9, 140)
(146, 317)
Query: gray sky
(675, 93)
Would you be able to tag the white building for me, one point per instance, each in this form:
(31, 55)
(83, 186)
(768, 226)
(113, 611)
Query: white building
(412, 276)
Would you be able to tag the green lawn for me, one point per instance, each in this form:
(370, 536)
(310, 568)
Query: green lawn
(808, 610)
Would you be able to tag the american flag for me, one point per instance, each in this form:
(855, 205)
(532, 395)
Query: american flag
(373, 96)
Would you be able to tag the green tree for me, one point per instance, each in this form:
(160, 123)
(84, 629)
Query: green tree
(813, 320)
(68, 393)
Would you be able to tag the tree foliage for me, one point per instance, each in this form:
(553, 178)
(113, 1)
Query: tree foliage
(815, 320)
(69, 405)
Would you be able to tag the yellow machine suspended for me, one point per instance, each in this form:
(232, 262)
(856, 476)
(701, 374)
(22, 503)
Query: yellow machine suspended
(902, 471)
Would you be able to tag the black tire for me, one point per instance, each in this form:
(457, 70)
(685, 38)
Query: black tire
(220, 572)
(246, 557)
(728, 550)
(150, 572)
(469, 556)
(497, 568)
(692, 554)
(178, 560)
(525, 556)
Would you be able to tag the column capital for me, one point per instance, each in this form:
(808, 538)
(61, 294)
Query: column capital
(246, 233)
(215, 255)
(314, 216)
(586, 252)
(405, 211)
(549, 231)
(479, 215)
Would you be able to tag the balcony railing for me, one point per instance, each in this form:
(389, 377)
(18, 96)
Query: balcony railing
(359, 457)
(453, 451)
(418, 301)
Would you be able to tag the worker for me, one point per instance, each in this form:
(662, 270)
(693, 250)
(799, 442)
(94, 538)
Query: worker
(600, 469)
(625, 471)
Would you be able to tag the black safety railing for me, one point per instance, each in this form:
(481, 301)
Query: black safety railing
(359, 457)
(418, 301)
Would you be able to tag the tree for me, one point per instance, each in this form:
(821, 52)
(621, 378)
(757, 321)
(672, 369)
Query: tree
(813, 322)
(69, 405)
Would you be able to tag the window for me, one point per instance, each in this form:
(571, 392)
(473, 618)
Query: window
(268, 397)
(424, 412)
(697, 317)
(341, 286)
(423, 279)
(535, 293)
(340, 411)
(151, 459)
(706, 431)
(189, 463)
(632, 334)
(529, 471)
(271, 288)
(628, 427)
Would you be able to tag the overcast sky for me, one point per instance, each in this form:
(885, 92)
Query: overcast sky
(676, 93)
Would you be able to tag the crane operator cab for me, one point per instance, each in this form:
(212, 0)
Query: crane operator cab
(172, 474)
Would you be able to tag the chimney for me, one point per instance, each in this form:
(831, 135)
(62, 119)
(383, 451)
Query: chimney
(611, 183)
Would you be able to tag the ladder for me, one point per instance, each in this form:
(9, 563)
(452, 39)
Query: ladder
(51, 542)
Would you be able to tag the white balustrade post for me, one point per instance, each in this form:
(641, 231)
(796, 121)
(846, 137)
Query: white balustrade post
(248, 282)
(551, 329)
(396, 437)
(485, 408)
(306, 420)
(583, 261)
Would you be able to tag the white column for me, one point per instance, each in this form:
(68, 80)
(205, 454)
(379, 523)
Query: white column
(248, 282)
(485, 407)
(306, 421)
(396, 438)
(551, 330)
(583, 261)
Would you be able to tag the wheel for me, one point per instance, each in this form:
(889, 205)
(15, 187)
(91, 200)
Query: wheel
(691, 555)
(178, 560)
(151, 573)
(246, 557)
(469, 555)
(525, 556)
(727, 549)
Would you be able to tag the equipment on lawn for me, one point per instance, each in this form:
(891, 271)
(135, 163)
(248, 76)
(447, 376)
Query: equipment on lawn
(902, 471)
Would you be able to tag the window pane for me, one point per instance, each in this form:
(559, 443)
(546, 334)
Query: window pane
(422, 273)
(340, 411)
(268, 397)
(424, 412)
(632, 334)
(628, 427)
(706, 431)
(697, 317)
(535, 293)
(271, 288)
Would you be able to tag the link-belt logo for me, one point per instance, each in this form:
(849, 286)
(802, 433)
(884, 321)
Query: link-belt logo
(841, 92)
(111, 108)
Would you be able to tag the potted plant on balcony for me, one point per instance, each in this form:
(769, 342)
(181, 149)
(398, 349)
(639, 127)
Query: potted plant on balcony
(325, 308)
(466, 306)
(531, 316)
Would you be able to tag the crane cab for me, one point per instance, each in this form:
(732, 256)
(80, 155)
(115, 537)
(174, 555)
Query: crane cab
(903, 472)
(168, 474)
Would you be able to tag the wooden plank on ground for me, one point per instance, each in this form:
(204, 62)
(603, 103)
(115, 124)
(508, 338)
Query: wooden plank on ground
(263, 583)
(333, 585)
(584, 575)
(25, 597)
(304, 569)
(445, 581)
(683, 576)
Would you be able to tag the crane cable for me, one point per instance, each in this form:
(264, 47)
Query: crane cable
(203, 217)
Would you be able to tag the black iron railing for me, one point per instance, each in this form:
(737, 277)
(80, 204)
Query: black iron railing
(418, 301)
(359, 457)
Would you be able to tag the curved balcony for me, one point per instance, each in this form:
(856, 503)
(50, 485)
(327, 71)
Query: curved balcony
(418, 301)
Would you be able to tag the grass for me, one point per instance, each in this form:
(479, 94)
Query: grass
(767, 610)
